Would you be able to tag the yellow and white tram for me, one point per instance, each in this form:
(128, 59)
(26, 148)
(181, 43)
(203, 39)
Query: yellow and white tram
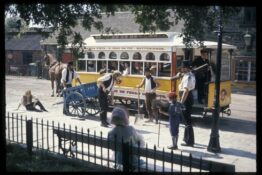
(131, 53)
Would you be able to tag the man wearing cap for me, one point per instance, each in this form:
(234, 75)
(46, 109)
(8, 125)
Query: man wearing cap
(150, 92)
(68, 74)
(202, 76)
(105, 85)
(185, 87)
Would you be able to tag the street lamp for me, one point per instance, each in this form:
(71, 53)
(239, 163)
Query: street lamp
(247, 38)
(214, 145)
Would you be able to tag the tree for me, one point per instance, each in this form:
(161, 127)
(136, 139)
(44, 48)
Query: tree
(198, 20)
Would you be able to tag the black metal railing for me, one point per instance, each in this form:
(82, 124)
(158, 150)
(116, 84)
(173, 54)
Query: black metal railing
(95, 148)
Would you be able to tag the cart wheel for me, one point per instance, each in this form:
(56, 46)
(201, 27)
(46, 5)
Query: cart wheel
(76, 104)
(93, 107)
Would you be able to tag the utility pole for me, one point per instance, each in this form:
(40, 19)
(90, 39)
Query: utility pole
(214, 145)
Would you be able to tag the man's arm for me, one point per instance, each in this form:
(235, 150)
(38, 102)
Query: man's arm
(141, 84)
(184, 96)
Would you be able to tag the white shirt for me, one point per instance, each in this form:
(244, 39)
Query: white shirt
(69, 77)
(188, 81)
(148, 85)
(106, 78)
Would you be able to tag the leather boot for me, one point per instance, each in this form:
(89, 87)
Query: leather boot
(174, 141)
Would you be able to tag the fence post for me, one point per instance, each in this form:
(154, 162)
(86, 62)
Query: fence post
(29, 136)
(125, 156)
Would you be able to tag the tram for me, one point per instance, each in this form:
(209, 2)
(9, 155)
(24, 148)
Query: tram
(131, 53)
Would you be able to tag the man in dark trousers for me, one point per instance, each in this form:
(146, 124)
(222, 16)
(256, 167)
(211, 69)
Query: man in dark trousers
(105, 85)
(203, 76)
(150, 93)
(185, 87)
(68, 74)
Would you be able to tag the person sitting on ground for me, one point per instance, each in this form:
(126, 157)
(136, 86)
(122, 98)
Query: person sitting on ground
(122, 130)
(27, 101)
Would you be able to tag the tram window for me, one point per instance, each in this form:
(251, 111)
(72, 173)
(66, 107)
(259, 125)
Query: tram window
(90, 55)
(112, 55)
(137, 68)
(149, 65)
(112, 66)
(91, 66)
(179, 60)
(164, 69)
(137, 56)
(81, 65)
(150, 56)
(124, 55)
(164, 57)
(101, 55)
(101, 66)
(124, 67)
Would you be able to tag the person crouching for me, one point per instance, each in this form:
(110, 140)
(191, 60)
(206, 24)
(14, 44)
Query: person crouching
(175, 116)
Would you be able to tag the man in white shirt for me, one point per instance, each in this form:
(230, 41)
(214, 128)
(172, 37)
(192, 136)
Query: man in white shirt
(185, 87)
(105, 85)
(68, 74)
(150, 92)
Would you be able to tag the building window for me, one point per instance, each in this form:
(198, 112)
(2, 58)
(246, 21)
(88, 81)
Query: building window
(137, 56)
(137, 68)
(90, 55)
(245, 71)
(164, 69)
(101, 55)
(164, 57)
(150, 56)
(91, 66)
(124, 55)
(253, 71)
(101, 66)
(81, 65)
(112, 55)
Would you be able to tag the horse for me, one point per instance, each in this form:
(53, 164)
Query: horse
(55, 72)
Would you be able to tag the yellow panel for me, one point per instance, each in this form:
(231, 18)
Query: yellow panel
(127, 81)
(225, 94)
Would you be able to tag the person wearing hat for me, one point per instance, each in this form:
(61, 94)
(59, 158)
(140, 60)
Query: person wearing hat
(150, 92)
(122, 130)
(202, 76)
(185, 87)
(105, 85)
(175, 114)
(68, 74)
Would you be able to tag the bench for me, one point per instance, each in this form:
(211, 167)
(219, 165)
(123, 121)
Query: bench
(73, 137)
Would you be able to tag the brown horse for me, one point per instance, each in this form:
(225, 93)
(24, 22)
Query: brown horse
(55, 72)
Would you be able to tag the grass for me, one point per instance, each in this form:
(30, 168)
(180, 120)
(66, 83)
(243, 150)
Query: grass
(18, 160)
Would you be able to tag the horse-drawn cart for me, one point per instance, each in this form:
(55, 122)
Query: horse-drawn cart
(81, 99)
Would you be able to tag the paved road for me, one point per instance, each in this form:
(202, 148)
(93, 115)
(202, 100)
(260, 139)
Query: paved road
(237, 132)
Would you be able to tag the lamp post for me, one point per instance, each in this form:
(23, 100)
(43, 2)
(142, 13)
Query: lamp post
(247, 38)
(214, 145)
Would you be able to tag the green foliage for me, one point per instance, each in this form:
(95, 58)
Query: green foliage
(198, 20)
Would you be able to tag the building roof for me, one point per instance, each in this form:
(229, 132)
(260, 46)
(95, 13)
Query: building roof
(121, 22)
(25, 42)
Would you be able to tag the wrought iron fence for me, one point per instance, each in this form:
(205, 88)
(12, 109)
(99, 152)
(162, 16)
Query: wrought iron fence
(79, 144)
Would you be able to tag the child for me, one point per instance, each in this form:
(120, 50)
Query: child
(175, 116)
(123, 130)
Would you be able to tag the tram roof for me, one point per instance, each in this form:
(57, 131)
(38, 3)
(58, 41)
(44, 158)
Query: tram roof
(164, 39)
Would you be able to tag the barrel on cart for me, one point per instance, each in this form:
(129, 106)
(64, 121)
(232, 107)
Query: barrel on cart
(81, 100)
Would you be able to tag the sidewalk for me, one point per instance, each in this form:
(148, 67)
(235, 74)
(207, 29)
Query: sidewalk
(237, 136)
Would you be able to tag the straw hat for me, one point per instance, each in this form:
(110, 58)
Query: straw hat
(120, 116)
